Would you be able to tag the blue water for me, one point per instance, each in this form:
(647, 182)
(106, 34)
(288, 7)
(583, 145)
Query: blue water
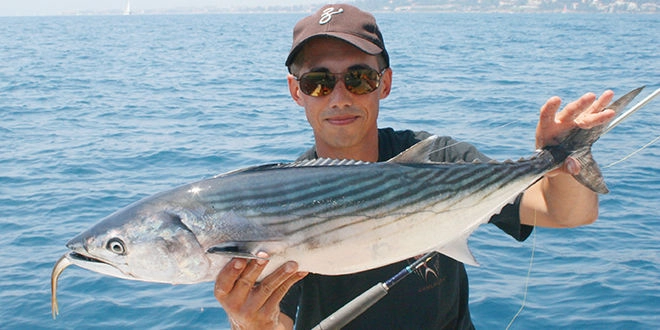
(97, 112)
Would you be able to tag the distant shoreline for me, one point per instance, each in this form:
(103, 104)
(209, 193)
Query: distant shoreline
(243, 12)
(469, 7)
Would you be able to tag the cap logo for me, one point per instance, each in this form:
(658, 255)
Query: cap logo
(327, 14)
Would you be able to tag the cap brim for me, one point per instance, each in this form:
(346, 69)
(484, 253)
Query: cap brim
(360, 43)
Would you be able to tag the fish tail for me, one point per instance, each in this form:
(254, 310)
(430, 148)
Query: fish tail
(590, 174)
(578, 146)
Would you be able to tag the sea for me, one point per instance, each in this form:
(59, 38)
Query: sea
(97, 112)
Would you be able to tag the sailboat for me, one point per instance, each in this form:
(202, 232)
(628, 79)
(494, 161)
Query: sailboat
(127, 10)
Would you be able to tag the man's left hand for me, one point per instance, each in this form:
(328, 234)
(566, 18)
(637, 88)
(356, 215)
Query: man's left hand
(586, 112)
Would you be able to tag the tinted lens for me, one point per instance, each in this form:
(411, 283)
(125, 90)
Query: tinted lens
(317, 83)
(358, 81)
(362, 81)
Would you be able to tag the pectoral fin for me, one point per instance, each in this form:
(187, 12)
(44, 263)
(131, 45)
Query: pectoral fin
(459, 251)
(236, 249)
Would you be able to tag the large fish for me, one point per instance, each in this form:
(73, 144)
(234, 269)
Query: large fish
(332, 217)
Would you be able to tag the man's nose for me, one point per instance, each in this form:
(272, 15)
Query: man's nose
(340, 96)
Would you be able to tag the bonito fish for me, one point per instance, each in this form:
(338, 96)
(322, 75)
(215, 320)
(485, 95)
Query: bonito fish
(332, 217)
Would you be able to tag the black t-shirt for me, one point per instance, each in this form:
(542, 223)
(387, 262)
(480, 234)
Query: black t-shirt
(435, 297)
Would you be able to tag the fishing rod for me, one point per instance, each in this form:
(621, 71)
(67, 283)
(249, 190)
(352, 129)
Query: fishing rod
(361, 303)
(630, 111)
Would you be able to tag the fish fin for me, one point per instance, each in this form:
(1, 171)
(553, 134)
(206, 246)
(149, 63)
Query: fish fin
(580, 138)
(620, 104)
(304, 163)
(590, 175)
(239, 233)
(458, 250)
(325, 162)
(250, 169)
(578, 146)
(238, 249)
(418, 153)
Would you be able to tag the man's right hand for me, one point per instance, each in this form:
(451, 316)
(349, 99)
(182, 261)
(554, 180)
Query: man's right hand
(252, 305)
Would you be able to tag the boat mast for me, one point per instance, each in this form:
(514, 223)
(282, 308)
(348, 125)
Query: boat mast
(127, 10)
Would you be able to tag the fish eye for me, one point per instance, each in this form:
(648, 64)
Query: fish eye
(116, 245)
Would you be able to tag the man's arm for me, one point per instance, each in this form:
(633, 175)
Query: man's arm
(252, 305)
(558, 200)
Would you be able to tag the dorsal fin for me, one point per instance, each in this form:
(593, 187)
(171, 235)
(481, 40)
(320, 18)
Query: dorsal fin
(249, 169)
(418, 153)
(304, 163)
(325, 162)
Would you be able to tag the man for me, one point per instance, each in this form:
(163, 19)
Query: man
(339, 72)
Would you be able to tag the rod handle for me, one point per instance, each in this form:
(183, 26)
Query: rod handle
(353, 309)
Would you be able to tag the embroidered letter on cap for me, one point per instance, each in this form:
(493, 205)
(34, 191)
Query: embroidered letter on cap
(327, 14)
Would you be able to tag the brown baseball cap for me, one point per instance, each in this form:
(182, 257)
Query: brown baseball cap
(340, 21)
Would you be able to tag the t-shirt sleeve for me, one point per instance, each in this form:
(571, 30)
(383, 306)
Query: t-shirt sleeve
(449, 150)
(508, 220)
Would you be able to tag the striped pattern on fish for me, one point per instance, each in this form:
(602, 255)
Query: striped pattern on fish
(313, 207)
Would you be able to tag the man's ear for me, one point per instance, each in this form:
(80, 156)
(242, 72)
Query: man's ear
(294, 89)
(386, 83)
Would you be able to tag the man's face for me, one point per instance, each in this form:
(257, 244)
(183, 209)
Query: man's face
(341, 120)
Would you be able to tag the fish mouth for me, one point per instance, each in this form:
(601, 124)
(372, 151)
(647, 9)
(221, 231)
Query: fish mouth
(83, 261)
(81, 257)
(94, 264)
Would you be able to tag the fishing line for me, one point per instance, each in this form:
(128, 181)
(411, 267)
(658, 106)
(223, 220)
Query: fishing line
(624, 115)
(533, 251)
(531, 258)
(634, 152)
(484, 133)
(529, 275)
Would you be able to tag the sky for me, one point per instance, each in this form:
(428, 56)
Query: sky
(58, 7)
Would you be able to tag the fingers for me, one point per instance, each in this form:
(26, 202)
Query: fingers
(602, 102)
(272, 289)
(247, 301)
(579, 111)
(246, 282)
(596, 114)
(225, 280)
(547, 123)
(585, 112)
(574, 109)
(237, 279)
(548, 111)
(571, 166)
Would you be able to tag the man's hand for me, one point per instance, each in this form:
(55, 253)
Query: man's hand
(585, 113)
(559, 200)
(252, 305)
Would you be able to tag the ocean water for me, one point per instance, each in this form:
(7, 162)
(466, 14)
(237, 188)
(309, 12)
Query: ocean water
(98, 112)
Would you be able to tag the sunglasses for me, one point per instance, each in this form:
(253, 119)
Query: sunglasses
(357, 81)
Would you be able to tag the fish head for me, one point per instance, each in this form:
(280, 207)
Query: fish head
(146, 241)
